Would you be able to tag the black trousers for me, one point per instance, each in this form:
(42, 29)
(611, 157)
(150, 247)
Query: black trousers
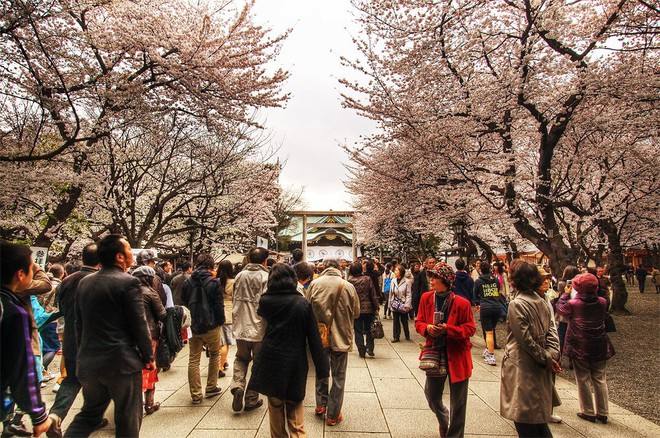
(454, 417)
(125, 390)
(69, 389)
(399, 320)
(533, 430)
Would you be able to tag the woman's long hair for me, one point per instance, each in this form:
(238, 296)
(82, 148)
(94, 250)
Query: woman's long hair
(225, 271)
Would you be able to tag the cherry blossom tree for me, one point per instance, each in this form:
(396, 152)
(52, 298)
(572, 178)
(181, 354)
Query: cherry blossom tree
(510, 98)
(75, 73)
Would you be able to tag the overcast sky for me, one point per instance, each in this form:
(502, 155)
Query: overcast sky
(313, 124)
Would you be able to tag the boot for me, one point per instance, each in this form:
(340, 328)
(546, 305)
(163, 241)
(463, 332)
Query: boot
(149, 405)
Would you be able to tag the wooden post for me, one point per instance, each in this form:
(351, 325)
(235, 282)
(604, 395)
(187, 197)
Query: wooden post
(304, 237)
(354, 243)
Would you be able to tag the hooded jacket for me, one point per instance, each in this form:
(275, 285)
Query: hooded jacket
(249, 285)
(464, 286)
(214, 295)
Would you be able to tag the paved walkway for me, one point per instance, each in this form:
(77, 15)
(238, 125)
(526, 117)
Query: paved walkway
(384, 398)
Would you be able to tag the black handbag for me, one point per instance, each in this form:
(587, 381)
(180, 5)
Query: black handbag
(377, 329)
(609, 323)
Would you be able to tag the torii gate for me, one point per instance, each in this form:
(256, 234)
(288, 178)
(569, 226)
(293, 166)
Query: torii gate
(305, 214)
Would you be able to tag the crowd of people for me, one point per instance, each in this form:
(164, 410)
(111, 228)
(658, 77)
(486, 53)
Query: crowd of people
(115, 323)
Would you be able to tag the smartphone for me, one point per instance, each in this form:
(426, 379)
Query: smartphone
(438, 317)
(569, 282)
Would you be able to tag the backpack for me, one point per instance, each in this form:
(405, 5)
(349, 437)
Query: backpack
(387, 285)
(200, 308)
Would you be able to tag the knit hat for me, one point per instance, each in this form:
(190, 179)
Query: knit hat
(144, 271)
(146, 256)
(586, 283)
(444, 271)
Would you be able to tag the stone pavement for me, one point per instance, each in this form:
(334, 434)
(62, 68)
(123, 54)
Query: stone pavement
(384, 398)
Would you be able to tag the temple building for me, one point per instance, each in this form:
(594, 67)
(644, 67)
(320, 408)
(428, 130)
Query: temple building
(327, 236)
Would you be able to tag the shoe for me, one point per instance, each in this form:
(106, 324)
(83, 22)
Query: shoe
(334, 421)
(213, 392)
(485, 354)
(48, 376)
(55, 429)
(371, 353)
(56, 387)
(498, 347)
(196, 401)
(258, 404)
(225, 366)
(43, 384)
(407, 338)
(395, 340)
(150, 406)
(16, 430)
(361, 354)
(150, 409)
(102, 424)
(319, 410)
(555, 419)
(602, 418)
(237, 404)
(221, 373)
(490, 360)
(589, 418)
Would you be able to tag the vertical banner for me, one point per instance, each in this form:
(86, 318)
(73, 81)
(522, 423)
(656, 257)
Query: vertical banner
(40, 256)
(261, 242)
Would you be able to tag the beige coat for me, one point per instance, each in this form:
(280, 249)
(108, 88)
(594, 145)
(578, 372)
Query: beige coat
(322, 293)
(526, 391)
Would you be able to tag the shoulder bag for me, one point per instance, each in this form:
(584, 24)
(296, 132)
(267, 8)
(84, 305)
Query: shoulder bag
(610, 327)
(324, 329)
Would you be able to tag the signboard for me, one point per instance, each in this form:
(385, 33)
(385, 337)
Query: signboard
(262, 243)
(39, 255)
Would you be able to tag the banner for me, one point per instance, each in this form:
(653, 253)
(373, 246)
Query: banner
(40, 256)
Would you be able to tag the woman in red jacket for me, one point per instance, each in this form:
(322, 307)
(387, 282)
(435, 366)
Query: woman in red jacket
(446, 320)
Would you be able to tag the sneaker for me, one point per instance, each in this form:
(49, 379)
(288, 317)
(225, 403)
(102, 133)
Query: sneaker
(237, 404)
(221, 373)
(258, 404)
(56, 387)
(196, 401)
(334, 421)
(490, 360)
(485, 354)
(319, 410)
(48, 376)
(16, 430)
(43, 384)
(213, 392)
(555, 419)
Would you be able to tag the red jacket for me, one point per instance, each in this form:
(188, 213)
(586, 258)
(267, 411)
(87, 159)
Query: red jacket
(460, 327)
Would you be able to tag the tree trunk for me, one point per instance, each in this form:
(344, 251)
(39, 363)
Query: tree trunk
(58, 217)
(616, 266)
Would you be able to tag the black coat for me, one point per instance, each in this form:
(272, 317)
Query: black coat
(280, 368)
(111, 329)
(66, 300)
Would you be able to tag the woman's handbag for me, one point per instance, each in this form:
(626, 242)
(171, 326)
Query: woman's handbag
(324, 329)
(398, 306)
(609, 323)
(433, 362)
(377, 329)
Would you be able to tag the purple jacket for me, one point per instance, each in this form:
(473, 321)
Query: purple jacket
(585, 338)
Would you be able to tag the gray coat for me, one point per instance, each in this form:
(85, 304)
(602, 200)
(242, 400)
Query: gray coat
(526, 391)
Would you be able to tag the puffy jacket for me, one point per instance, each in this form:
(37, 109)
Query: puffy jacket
(367, 293)
(249, 285)
(585, 338)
